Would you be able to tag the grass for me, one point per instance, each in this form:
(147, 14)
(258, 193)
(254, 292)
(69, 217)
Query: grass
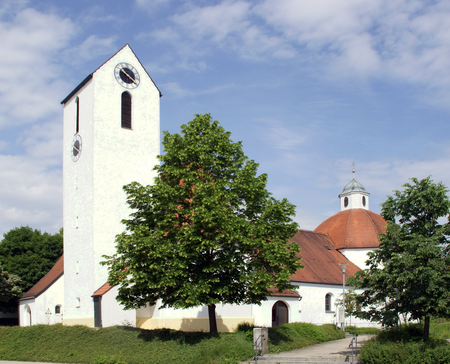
(406, 346)
(126, 345)
(361, 330)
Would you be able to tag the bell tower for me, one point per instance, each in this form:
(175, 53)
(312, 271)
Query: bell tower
(111, 137)
(354, 195)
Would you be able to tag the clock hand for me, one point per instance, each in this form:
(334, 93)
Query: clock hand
(74, 147)
(126, 74)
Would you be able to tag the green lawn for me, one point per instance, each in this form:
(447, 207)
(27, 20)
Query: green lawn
(406, 346)
(79, 344)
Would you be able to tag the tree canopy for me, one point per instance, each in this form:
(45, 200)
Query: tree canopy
(29, 254)
(207, 230)
(410, 273)
(9, 291)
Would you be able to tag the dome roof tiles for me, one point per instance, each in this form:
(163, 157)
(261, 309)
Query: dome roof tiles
(354, 228)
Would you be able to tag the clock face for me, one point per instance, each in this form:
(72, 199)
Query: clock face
(76, 147)
(127, 75)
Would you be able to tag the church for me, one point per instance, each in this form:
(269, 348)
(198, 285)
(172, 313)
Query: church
(111, 137)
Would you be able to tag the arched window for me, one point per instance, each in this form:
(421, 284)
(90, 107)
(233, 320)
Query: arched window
(328, 299)
(58, 310)
(280, 314)
(126, 110)
(77, 117)
(27, 316)
(346, 202)
(78, 302)
(364, 200)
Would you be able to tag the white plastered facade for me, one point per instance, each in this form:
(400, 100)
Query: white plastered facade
(94, 202)
(42, 310)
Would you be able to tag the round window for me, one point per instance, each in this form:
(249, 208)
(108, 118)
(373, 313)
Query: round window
(346, 202)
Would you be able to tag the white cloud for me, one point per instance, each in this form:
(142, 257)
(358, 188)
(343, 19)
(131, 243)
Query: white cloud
(91, 48)
(403, 40)
(29, 194)
(174, 89)
(278, 135)
(151, 4)
(96, 14)
(215, 22)
(30, 85)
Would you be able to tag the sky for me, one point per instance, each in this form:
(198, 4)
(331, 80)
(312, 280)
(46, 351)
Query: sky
(309, 87)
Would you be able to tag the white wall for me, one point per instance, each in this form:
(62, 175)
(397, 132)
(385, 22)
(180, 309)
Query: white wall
(43, 307)
(263, 313)
(113, 313)
(355, 200)
(312, 305)
(357, 256)
(93, 186)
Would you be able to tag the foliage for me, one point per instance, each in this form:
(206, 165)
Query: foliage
(29, 254)
(9, 290)
(409, 274)
(207, 231)
(125, 345)
(440, 330)
(404, 345)
(351, 303)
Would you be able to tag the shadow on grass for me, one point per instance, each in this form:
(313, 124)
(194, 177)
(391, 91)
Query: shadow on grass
(277, 336)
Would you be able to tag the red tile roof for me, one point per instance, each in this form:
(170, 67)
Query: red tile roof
(102, 290)
(45, 282)
(320, 259)
(276, 293)
(354, 228)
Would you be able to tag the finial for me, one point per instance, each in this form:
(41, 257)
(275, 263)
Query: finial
(353, 171)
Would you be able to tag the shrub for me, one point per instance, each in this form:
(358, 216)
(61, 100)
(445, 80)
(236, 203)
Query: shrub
(362, 330)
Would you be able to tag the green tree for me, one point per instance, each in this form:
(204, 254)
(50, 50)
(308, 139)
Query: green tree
(207, 230)
(29, 254)
(410, 273)
(9, 291)
(352, 304)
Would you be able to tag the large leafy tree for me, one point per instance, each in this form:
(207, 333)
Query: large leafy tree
(9, 291)
(410, 273)
(29, 254)
(207, 230)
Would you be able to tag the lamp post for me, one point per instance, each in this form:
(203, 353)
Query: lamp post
(343, 295)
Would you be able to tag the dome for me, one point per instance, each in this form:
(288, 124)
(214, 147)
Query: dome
(353, 186)
(354, 228)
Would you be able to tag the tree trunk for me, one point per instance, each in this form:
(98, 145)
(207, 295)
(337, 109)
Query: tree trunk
(426, 328)
(212, 319)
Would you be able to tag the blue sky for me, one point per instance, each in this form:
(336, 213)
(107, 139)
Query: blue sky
(307, 86)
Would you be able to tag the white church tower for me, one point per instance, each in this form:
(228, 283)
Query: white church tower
(111, 138)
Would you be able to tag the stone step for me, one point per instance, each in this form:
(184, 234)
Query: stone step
(306, 360)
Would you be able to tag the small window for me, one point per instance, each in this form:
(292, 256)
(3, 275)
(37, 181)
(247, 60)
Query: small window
(78, 302)
(346, 202)
(126, 110)
(364, 200)
(77, 118)
(328, 297)
(57, 310)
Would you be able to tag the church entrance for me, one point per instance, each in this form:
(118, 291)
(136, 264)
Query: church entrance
(280, 314)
